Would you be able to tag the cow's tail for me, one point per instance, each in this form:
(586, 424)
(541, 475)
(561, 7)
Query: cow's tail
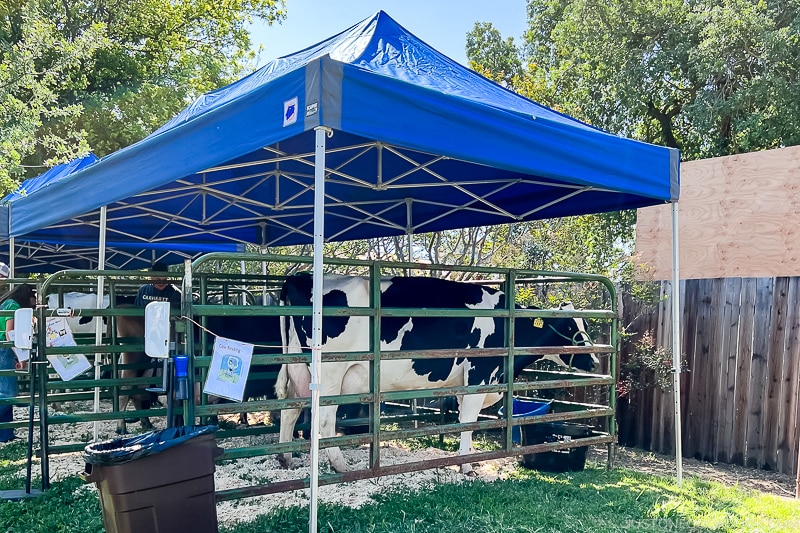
(282, 383)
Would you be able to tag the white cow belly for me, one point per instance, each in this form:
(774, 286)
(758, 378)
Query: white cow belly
(400, 375)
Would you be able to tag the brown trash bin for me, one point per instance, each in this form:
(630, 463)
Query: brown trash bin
(167, 492)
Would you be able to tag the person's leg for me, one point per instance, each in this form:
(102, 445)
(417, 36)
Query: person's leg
(9, 388)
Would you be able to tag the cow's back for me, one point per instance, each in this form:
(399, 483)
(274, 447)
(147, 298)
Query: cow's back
(436, 332)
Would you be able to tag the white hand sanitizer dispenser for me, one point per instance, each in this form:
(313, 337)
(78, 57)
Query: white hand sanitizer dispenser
(156, 330)
(23, 333)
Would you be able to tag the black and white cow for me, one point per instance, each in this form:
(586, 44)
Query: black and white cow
(77, 301)
(345, 334)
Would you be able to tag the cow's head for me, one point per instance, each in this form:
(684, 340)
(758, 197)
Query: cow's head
(560, 331)
(579, 337)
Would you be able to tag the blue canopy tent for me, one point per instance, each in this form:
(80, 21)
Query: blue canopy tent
(74, 244)
(420, 144)
(369, 133)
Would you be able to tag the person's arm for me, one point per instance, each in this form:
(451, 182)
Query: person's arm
(175, 298)
(138, 301)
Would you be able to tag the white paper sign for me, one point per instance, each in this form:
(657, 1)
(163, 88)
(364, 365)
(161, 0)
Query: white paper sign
(59, 333)
(67, 366)
(230, 365)
(23, 354)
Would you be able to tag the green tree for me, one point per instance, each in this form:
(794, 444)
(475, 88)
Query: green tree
(102, 74)
(491, 55)
(35, 60)
(708, 77)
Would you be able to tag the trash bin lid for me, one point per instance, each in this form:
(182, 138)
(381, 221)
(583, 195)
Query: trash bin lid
(126, 449)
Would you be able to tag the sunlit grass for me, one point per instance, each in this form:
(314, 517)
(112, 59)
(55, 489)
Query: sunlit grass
(595, 500)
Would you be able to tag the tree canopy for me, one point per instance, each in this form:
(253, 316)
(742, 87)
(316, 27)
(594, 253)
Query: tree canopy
(708, 77)
(102, 74)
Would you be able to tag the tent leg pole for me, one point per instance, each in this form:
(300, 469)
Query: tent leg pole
(316, 319)
(676, 345)
(11, 265)
(98, 332)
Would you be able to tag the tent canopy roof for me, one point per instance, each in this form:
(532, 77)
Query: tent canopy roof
(66, 253)
(417, 143)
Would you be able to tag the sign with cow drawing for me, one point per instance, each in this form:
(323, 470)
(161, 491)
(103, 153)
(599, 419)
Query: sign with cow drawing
(230, 366)
(59, 334)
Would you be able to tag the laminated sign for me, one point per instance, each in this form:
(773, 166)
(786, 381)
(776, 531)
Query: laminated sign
(230, 365)
(66, 365)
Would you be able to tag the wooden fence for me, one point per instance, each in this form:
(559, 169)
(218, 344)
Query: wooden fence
(740, 342)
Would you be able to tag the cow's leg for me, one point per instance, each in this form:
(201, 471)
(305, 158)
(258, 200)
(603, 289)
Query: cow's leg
(285, 387)
(124, 399)
(144, 401)
(355, 380)
(140, 401)
(470, 406)
(123, 404)
(327, 428)
(288, 420)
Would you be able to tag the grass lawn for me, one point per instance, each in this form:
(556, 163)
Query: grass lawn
(595, 500)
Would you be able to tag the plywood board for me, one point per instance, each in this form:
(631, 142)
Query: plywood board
(738, 216)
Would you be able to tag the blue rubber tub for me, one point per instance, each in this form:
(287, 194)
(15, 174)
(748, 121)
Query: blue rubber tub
(525, 407)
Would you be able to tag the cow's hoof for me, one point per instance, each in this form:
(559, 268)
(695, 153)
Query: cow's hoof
(284, 461)
(467, 470)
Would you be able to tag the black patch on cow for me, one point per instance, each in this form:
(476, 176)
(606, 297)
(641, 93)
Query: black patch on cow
(297, 291)
(433, 333)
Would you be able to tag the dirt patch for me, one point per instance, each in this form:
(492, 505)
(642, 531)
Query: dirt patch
(732, 475)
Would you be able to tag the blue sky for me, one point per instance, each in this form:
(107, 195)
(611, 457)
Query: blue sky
(443, 24)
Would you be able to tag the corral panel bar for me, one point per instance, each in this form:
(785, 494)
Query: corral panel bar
(375, 366)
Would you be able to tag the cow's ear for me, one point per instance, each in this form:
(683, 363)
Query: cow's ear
(566, 305)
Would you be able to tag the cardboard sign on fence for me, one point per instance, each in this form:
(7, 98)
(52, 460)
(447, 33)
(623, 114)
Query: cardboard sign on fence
(59, 335)
(230, 366)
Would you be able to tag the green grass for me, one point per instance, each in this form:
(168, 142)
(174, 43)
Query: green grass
(595, 500)
(66, 507)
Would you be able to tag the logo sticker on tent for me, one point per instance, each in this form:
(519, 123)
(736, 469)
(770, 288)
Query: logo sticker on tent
(311, 109)
(290, 112)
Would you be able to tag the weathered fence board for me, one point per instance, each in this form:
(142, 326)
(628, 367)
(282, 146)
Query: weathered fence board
(740, 397)
(787, 438)
(758, 372)
(744, 359)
